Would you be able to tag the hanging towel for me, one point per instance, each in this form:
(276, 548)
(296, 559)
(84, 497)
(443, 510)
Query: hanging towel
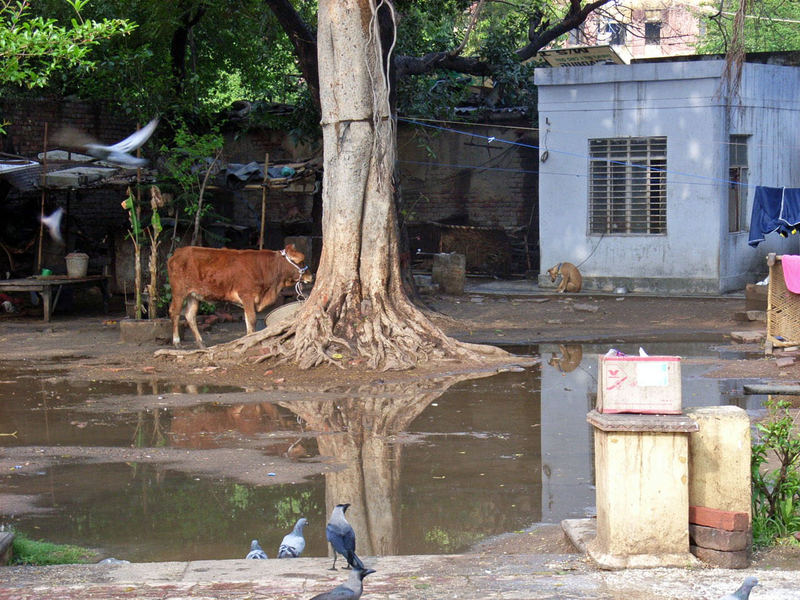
(774, 209)
(790, 207)
(791, 272)
(765, 216)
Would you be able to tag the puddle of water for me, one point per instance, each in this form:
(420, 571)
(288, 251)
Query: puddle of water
(427, 472)
(146, 513)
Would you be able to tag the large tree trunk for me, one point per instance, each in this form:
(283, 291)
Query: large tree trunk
(358, 310)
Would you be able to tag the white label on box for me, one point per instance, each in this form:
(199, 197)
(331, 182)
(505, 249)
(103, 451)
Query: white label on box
(652, 374)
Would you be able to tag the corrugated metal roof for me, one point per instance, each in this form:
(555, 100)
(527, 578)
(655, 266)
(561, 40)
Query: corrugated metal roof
(26, 175)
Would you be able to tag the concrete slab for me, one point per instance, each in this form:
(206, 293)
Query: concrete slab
(580, 532)
(466, 577)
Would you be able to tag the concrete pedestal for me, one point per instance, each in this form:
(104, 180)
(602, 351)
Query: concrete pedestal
(642, 487)
(719, 489)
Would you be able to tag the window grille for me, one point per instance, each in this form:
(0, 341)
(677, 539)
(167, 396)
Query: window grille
(737, 174)
(628, 185)
(616, 33)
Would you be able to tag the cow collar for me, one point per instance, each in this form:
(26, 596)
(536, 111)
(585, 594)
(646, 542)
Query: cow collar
(300, 270)
(298, 286)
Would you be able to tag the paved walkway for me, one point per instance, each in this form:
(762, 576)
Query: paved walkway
(467, 576)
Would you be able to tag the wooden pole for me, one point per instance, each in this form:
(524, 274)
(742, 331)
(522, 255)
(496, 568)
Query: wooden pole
(137, 250)
(264, 185)
(44, 196)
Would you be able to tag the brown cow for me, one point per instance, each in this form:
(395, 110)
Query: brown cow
(250, 278)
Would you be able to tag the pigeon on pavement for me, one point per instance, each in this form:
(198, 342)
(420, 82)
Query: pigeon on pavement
(342, 538)
(118, 154)
(53, 224)
(293, 543)
(350, 590)
(743, 593)
(255, 551)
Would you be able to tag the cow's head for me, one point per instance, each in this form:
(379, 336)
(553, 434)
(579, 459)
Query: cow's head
(298, 260)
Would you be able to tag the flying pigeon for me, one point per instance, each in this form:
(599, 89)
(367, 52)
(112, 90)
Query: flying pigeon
(743, 593)
(53, 224)
(118, 154)
(350, 590)
(342, 538)
(255, 551)
(293, 543)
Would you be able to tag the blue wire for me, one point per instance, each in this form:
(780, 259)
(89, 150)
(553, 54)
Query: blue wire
(586, 156)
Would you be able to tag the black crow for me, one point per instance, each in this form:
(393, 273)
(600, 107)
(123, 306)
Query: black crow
(350, 590)
(342, 538)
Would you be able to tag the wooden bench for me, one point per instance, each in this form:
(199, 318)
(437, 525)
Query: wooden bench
(45, 286)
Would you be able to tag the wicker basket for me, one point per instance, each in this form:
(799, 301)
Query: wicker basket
(783, 308)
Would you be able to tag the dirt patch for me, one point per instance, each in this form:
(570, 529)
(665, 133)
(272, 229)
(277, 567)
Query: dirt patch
(95, 351)
(538, 539)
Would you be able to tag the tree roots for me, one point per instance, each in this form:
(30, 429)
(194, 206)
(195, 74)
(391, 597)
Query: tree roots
(375, 333)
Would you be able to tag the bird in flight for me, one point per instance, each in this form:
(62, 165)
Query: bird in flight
(118, 154)
(53, 224)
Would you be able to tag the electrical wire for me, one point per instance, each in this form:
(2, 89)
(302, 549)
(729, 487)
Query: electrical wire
(491, 139)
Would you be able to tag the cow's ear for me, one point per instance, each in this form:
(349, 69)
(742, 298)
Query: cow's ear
(290, 248)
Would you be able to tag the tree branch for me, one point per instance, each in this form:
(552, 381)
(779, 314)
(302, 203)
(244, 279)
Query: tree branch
(304, 40)
(475, 16)
(542, 36)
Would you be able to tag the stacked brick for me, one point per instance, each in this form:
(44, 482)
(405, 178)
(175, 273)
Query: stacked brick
(719, 537)
(27, 119)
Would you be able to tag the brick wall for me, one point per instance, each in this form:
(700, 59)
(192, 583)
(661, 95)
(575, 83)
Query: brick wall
(446, 176)
(455, 176)
(93, 215)
(27, 120)
(461, 177)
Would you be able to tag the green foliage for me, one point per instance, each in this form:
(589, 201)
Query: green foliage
(768, 27)
(187, 166)
(192, 57)
(292, 507)
(33, 47)
(129, 204)
(776, 492)
(502, 29)
(447, 542)
(37, 552)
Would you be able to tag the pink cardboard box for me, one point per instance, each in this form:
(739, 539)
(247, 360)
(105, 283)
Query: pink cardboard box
(639, 384)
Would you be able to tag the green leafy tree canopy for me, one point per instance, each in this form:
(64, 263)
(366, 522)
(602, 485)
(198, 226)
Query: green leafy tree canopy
(769, 26)
(32, 47)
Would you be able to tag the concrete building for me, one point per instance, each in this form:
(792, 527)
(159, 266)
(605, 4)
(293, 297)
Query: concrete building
(647, 171)
(644, 28)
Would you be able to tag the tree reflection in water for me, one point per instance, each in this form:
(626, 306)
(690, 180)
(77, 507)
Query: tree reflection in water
(358, 430)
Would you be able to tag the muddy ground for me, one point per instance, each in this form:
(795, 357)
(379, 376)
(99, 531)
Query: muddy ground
(92, 338)
(86, 343)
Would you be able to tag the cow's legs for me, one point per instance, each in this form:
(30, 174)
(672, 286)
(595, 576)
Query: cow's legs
(192, 304)
(175, 314)
(250, 316)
